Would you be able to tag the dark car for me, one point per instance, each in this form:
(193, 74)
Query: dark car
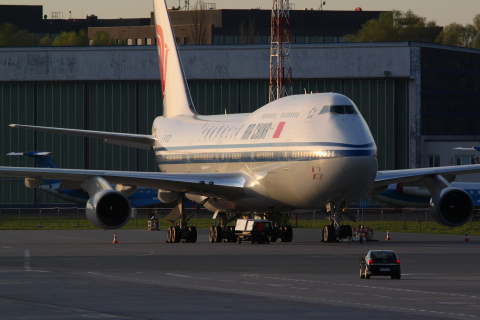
(380, 263)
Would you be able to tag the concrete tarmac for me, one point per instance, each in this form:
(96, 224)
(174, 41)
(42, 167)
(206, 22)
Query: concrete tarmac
(81, 274)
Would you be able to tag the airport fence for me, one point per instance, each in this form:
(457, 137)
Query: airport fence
(382, 219)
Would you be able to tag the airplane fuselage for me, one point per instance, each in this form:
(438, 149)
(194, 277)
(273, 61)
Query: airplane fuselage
(302, 151)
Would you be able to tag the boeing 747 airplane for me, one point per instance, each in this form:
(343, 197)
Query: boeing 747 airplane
(306, 151)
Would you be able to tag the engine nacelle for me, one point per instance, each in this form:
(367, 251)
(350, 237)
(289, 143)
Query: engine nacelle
(108, 209)
(451, 207)
(167, 196)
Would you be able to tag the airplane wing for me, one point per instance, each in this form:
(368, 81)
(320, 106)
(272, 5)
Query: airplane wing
(228, 186)
(142, 141)
(418, 176)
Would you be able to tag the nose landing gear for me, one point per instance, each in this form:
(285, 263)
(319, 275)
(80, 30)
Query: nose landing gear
(335, 231)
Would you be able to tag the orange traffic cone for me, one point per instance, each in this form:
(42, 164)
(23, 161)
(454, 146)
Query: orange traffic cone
(466, 237)
(388, 235)
(115, 239)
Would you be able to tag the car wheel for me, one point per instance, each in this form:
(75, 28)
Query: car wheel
(367, 276)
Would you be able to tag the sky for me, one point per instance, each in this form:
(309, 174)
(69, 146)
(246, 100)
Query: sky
(442, 11)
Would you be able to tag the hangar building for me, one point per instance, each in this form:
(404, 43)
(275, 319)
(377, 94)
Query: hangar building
(420, 100)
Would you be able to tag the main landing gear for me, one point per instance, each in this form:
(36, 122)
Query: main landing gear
(336, 232)
(221, 231)
(182, 231)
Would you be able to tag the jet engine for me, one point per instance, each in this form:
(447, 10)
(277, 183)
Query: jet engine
(108, 209)
(451, 207)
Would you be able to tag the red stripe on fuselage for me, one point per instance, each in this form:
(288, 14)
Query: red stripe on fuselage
(279, 129)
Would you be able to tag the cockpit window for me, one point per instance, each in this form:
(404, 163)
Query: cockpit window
(337, 109)
(347, 109)
(350, 110)
(325, 109)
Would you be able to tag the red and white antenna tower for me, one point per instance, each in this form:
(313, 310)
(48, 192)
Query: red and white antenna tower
(280, 72)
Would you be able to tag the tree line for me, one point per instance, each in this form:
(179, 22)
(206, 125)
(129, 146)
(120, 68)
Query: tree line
(390, 26)
(11, 36)
(407, 26)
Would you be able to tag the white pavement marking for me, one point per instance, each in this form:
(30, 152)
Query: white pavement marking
(178, 275)
(27, 260)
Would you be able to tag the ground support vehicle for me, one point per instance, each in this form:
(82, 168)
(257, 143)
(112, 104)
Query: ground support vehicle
(221, 232)
(254, 230)
(362, 234)
(380, 263)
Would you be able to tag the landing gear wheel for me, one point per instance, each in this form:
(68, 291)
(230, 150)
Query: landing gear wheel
(169, 234)
(230, 234)
(328, 233)
(191, 234)
(345, 232)
(211, 233)
(177, 234)
(288, 234)
(218, 234)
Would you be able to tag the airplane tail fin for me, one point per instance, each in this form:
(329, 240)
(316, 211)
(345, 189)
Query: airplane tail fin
(43, 159)
(176, 95)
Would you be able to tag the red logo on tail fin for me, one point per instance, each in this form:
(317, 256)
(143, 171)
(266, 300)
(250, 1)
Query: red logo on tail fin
(163, 57)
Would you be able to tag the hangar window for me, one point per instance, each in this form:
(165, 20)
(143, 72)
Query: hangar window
(461, 160)
(433, 161)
